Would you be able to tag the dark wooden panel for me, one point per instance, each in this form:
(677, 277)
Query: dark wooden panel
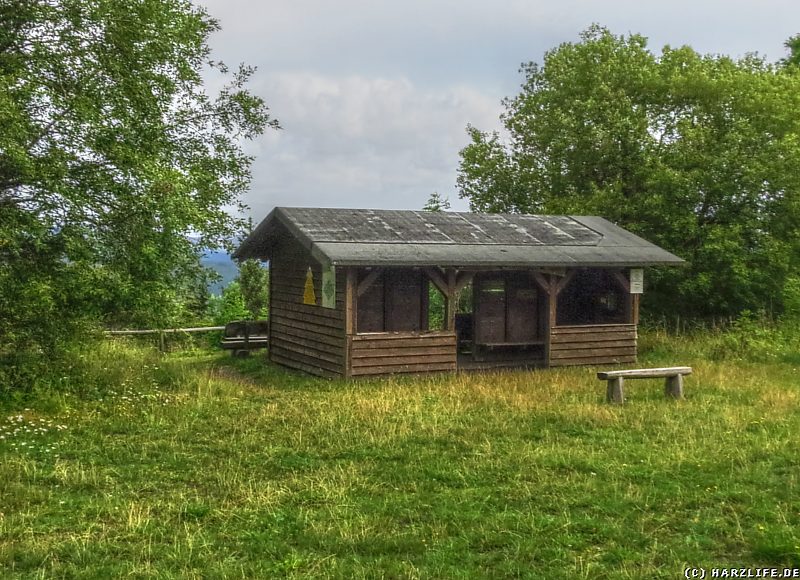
(403, 295)
(370, 316)
(522, 309)
(490, 310)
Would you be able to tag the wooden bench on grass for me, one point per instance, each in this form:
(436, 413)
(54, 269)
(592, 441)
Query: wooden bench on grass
(672, 388)
(242, 336)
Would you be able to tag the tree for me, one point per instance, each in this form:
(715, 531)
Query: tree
(793, 46)
(229, 306)
(696, 153)
(254, 286)
(436, 202)
(112, 154)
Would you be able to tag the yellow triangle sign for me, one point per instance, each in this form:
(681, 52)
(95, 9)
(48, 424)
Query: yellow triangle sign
(309, 296)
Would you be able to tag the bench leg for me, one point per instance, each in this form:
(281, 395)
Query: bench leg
(674, 387)
(614, 392)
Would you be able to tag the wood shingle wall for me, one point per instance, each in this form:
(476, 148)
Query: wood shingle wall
(303, 336)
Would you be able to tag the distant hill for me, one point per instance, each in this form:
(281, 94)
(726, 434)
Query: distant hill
(222, 264)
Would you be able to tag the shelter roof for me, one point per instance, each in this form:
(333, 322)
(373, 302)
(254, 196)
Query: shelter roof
(368, 237)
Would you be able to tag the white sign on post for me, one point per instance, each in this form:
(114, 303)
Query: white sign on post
(329, 287)
(637, 281)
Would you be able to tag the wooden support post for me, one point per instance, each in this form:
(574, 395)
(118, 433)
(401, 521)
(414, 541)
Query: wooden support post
(674, 387)
(615, 392)
(635, 298)
(629, 300)
(451, 302)
(549, 284)
(350, 301)
(350, 316)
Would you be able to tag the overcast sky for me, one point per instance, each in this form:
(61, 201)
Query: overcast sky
(374, 97)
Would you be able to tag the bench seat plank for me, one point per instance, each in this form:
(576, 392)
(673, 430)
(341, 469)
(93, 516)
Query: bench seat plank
(646, 373)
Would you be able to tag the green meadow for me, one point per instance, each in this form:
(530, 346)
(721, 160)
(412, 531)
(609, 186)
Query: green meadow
(197, 465)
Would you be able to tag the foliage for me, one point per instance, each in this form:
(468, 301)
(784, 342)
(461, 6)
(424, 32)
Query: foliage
(208, 466)
(116, 165)
(698, 154)
(229, 306)
(750, 337)
(254, 287)
(436, 202)
(793, 46)
(791, 299)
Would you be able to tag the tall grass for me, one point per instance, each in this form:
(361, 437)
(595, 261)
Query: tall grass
(200, 465)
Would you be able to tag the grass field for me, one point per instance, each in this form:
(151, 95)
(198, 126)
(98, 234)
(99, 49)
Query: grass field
(195, 465)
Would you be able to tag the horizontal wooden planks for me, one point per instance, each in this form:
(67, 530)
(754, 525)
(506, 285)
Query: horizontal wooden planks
(284, 351)
(385, 361)
(404, 368)
(379, 354)
(403, 352)
(400, 340)
(306, 337)
(593, 328)
(313, 369)
(593, 345)
(326, 315)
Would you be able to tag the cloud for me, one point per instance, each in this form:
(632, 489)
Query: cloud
(375, 96)
(362, 142)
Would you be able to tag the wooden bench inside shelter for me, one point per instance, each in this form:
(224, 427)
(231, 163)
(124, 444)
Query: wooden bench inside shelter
(242, 336)
(673, 386)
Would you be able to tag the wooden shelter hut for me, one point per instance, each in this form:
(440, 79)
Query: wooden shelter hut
(354, 291)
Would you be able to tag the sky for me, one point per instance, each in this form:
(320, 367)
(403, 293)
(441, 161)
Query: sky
(374, 98)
